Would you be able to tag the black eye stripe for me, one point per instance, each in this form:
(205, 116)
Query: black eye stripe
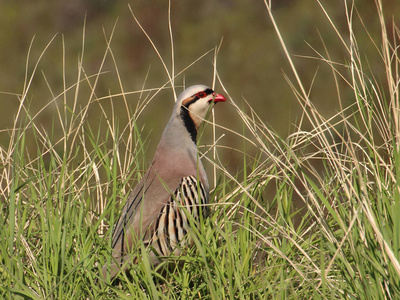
(186, 105)
(207, 92)
(196, 97)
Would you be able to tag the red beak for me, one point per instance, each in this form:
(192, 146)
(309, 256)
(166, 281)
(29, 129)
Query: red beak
(219, 98)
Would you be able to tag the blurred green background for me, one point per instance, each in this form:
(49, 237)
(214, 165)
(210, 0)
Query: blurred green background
(251, 62)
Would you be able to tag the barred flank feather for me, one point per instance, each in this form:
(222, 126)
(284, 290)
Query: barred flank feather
(172, 224)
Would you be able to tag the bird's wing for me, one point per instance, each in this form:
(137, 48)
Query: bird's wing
(138, 216)
(131, 205)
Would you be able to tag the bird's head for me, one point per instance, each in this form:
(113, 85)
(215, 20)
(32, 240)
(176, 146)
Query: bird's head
(195, 102)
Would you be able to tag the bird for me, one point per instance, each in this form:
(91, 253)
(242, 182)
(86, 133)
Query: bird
(155, 213)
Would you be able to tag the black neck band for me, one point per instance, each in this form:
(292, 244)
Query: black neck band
(189, 124)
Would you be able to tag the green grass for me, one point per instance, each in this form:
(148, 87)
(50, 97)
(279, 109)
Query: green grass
(315, 215)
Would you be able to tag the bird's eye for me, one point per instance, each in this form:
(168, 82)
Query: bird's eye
(201, 94)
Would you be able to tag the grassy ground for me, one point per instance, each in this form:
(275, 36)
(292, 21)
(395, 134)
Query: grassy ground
(58, 204)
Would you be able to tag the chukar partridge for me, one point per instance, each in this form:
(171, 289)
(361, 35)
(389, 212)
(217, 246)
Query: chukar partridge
(154, 214)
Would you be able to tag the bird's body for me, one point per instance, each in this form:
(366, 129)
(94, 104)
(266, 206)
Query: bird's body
(154, 213)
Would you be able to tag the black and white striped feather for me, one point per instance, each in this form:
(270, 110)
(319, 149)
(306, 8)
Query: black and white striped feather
(172, 224)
